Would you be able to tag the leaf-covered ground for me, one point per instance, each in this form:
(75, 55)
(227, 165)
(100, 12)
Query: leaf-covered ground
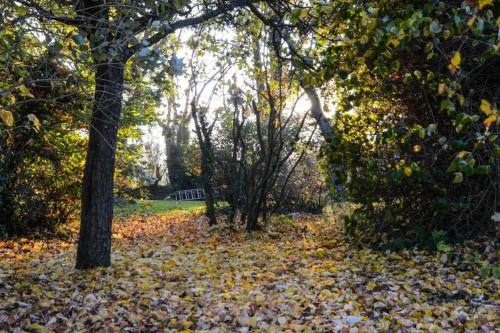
(172, 273)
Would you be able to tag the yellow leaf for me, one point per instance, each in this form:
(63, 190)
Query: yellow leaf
(260, 299)
(34, 120)
(370, 286)
(456, 59)
(25, 91)
(171, 263)
(368, 53)
(471, 21)
(333, 269)
(394, 42)
(7, 118)
(490, 120)
(36, 289)
(486, 107)
(408, 171)
(442, 88)
(37, 327)
(484, 3)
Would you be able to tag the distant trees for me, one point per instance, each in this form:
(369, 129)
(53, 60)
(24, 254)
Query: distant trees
(176, 133)
(260, 130)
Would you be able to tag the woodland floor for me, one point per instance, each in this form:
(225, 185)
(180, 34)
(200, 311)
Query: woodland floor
(172, 273)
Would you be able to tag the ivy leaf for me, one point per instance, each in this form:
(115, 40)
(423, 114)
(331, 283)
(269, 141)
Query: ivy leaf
(435, 27)
(490, 120)
(456, 59)
(459, 178)
(79, 39)
(447, 105)
(443, 247)
(7, 118)
(25, 91)
(431, 129)
(496, 272)
(484, 272)
(34, 120)
(486, 107)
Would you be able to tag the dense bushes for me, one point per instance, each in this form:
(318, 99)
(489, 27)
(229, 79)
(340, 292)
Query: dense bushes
(417, 129)
(42, 153)
(301, 187)
(44, 105)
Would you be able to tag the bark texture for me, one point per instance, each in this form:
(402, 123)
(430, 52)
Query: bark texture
(94, 243)
(203, 132)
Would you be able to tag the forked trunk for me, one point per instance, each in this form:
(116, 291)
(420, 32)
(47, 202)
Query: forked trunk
(94, 243)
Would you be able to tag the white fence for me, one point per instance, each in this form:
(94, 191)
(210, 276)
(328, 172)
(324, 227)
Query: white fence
(195, 194)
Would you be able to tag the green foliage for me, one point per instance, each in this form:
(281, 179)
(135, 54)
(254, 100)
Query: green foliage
(417, 125)
(439, 240)
(44, 107)
(41, 161)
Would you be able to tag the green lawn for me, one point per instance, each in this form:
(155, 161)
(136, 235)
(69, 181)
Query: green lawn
(158, 206)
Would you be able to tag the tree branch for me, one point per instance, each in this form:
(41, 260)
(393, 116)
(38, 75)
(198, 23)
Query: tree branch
(167, 28)
(46, 14)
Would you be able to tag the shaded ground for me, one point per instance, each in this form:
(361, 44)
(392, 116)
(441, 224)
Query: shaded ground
(172, 273)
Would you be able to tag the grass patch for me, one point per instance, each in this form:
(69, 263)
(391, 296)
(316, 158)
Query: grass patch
(158, 206)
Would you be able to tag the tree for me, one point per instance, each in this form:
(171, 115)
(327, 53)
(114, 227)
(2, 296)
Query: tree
(259, 132)
(204, 133)
(115, 31)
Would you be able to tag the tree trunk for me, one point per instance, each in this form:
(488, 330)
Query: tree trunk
(207, 172)
(317, 113)
(94, 243)
(210, 203)
(203, 133)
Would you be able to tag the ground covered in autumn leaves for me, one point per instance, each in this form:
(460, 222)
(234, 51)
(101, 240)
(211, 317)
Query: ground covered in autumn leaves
(172, 273)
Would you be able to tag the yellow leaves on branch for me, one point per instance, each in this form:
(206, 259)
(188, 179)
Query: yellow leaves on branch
(488, 110)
